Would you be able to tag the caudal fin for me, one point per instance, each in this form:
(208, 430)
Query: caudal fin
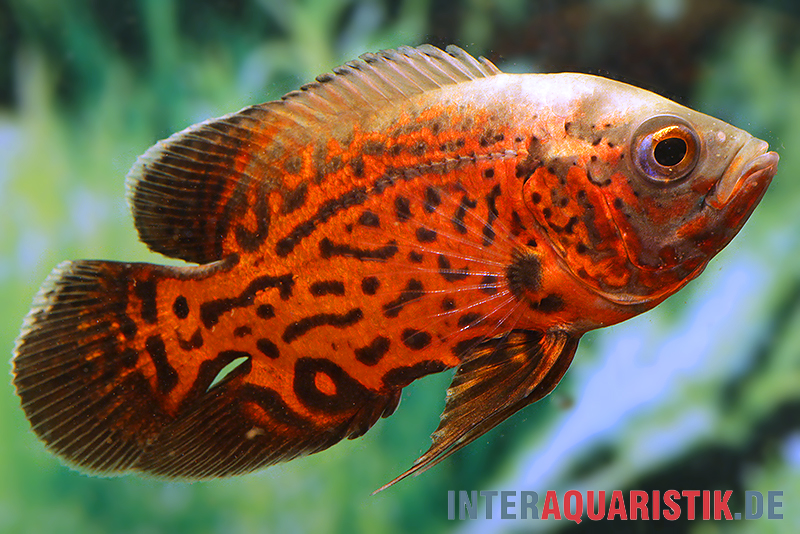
(95, 383)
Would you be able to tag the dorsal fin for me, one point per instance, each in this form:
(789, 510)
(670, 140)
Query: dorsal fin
(189, 192)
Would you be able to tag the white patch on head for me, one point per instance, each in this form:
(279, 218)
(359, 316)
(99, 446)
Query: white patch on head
(721, 137)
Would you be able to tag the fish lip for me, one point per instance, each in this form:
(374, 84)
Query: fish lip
(752, 164)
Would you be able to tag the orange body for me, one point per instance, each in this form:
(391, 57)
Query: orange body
(414, 212)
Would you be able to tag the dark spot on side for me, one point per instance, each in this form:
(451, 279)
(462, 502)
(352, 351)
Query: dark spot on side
(447, 272)
(432, 199)
(400, 377)
(180, 307)
(370, 285)
(618, 203)
(488, 173)
(536, 197)
(265, 311)
(488, 284)
(448, 304)
(370, 219)
(413, 291)
(166, 376)
(523, 273)
(426, 235)
(242, 331)
(329, 249)
(488, 230)
(549, 304)
(194, 342)
(357, 163)
(348, 392)
(469, 320)
(299, 328)
(415, 256)
(268, 348)
(516, 224)
(461, 211)
(402, 208)
(294, 199)
(547, 213)
(372, 353)
(327, 287)
(354, 197)
(580, 248)
(531, 243)
(145, 291)
(211, 311)
(415, 339)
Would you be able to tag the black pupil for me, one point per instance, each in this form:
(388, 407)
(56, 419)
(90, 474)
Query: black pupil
(671, 151)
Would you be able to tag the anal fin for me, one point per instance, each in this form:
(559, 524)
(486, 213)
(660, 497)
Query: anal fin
(502, 376)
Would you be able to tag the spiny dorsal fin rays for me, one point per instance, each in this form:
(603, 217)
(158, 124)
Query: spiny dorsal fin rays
(185, 190)
(503, 376)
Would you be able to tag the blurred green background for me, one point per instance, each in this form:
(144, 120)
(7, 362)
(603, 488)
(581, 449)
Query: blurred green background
(701, 393)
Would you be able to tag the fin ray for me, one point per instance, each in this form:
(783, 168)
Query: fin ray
(503, 376)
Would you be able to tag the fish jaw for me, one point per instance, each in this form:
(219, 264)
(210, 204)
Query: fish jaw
(748, 176)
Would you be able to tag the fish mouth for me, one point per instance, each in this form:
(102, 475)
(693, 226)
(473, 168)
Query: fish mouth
(751, 170)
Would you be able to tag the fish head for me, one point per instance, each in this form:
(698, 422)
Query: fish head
(637, 192)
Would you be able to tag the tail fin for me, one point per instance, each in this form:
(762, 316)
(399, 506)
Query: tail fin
(101, 401)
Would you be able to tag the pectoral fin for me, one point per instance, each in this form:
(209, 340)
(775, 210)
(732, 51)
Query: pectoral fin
(500, 377)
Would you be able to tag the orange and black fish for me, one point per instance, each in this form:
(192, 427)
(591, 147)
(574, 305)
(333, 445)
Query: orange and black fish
(414, 211)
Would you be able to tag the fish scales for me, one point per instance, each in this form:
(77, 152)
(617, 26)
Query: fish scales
(415, 211)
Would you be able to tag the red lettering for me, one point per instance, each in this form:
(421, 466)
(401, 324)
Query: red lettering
(675, 509)
(656, 504)
(721, 505)
(576, 515)
(638, 500)
(617, 506)
(601, 506)
(706, 505)
(551, 506)
(690, 495)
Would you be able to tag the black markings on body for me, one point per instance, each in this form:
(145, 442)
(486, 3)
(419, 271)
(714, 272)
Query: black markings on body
(447, 272)
(415, 256)
(294, 199)
(194, 342)
(265, 311)
(268, 348)
(242, 331)
(272, 404)
(549, 304)
(400, 377)
(372, 353)
(145, 291)
(357, 163)
(523, 273)
(370, 219)
(342, 392)
(491, 201)
(415, 339)
(327, 287)
(461, 211)
(328, 249)
(469, 320)
(489, 284)
(211, 311)
(413, 291)
(426, 235)
(432, 199)
(209, 370)
(448, 304)
(251, 240)
(180, 307)
(306, 324)
(166, 376)
(370, 285)
(402, 208)
(354, 197)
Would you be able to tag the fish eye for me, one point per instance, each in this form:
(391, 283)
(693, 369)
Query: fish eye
(665, 148)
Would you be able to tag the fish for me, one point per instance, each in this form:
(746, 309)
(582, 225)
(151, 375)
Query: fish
(413, 211)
